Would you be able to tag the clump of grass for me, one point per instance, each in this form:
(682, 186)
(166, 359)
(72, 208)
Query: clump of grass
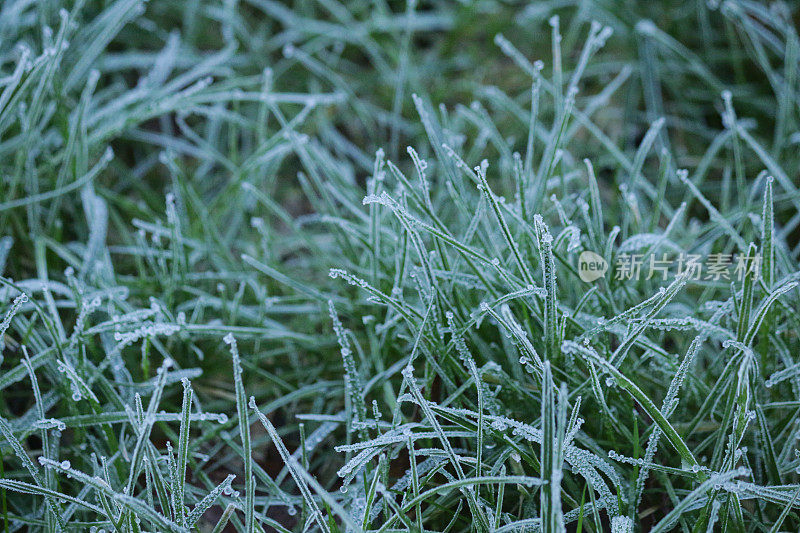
(314, 265)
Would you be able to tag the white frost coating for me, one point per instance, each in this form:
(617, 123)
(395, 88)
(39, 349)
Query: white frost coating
(621, 524)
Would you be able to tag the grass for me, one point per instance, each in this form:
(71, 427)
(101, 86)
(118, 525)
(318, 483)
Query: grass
(314, 265)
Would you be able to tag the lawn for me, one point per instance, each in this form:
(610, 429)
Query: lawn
(350, 266)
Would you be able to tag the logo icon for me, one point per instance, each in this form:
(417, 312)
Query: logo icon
(591, 266)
